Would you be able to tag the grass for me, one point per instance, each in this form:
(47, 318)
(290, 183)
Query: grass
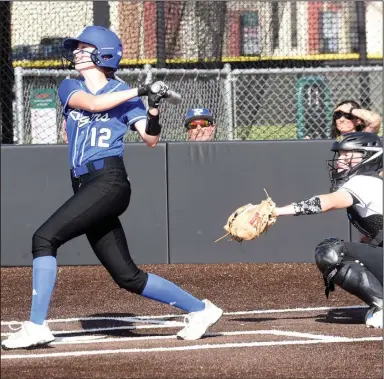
(249, 133)
(270, 132)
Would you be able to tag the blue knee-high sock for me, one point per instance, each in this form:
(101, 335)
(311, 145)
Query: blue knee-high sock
(44, 278)
(160, 289)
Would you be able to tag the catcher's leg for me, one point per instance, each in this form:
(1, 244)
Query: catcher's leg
(354, 267)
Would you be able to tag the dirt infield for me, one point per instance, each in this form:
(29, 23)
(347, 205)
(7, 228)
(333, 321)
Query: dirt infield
(277, 324)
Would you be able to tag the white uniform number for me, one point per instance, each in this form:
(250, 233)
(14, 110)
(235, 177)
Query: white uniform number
(100, 139)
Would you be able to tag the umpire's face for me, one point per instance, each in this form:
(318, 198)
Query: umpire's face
(200, 130)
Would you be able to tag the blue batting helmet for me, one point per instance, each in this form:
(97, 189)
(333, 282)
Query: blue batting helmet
(109, 49)
(198, 114)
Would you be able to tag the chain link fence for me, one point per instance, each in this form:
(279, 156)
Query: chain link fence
(248, 104)
(266, 70)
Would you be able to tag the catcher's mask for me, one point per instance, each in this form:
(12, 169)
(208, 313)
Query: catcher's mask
(108, 47)
(370, 147)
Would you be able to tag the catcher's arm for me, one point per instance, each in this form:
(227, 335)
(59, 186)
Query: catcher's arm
(317, 204)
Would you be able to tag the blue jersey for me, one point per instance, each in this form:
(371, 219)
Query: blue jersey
(97, 135)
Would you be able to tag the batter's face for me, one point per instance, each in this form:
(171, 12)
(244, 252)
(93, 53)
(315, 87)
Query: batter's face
(197, 131)
(82, 56)
(348, 159)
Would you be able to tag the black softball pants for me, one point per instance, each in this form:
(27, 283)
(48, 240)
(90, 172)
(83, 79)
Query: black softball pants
(371, 256)
(100, 197)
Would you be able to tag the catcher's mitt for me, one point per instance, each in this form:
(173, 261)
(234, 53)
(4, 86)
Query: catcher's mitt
(250, 221)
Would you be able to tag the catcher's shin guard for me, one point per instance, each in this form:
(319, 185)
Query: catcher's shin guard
(351, 276)
(358, 281)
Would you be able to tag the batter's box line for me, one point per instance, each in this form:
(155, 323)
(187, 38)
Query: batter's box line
(111, 328)
(186, 348)
(151, 319)
(103, 339)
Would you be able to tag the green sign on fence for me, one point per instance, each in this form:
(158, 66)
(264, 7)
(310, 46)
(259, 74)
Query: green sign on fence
(43, 116)
(43, 98)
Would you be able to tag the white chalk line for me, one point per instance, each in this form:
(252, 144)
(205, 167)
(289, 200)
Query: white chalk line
(87, 339)
(104, 329)
(149, 318)
(154, 324)
(102, 339)
(186, 348)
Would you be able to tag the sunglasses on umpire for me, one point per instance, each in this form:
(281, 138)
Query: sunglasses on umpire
(202, 123)
(340, 114)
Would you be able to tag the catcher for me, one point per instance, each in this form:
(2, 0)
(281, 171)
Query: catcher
(357, 187)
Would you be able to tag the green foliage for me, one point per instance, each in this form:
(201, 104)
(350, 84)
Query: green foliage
(270, 132)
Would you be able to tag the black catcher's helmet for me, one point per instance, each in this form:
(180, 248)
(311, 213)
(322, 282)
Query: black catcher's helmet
(369, 144)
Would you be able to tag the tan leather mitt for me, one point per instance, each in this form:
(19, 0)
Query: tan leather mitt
(250, 221)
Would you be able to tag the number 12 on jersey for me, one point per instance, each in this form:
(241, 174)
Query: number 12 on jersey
(100, 139)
